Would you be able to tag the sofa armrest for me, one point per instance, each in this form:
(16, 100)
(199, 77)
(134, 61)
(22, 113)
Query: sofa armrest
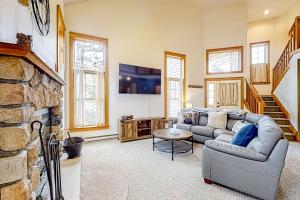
(235, 150)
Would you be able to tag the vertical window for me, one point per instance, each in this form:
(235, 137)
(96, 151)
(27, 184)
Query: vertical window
(174, 83)
(260, 62)
(211, 94)
(88, 82)
(224, 60)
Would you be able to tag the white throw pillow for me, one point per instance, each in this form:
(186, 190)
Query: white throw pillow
(180, 118)
(217, 120)
(237, 126)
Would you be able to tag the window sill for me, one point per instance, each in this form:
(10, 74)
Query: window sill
(220, 73)
(92, 128)
(261, 83)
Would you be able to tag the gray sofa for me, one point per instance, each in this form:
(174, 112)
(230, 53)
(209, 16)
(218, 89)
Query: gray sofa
(255, 169)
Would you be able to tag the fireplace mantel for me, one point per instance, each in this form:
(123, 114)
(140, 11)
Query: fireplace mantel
(24, 52)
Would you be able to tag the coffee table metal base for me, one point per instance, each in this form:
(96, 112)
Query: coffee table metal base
(173, 146)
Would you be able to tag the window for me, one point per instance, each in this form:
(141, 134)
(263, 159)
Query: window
(174, 83)
(211, 94)
(225, 60)
(224, 92)
(88, 82)
(260, 62)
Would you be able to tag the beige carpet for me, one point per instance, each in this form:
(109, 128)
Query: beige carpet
(132, 171)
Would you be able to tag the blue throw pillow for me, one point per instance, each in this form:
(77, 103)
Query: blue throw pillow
(244, 135)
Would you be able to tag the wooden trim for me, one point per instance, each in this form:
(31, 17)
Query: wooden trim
(282, 76)
(24, 2)
(92, 128)
(298, 84)
(261, 83)
(183, 58)
(295, 132)
(282, 108)
(78, 36)
(24, 52)
(268, 64)
(253, 89)
(59, 17)
(239, 48)
(294, 53)
(261, 104)
(225, 79)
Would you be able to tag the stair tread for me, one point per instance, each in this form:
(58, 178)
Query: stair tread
(269, 101)
(272, 106)
(283, 125)
(272, 112)
(288, 133)
(279, 118)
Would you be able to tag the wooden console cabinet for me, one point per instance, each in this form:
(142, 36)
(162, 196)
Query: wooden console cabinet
(139, 128)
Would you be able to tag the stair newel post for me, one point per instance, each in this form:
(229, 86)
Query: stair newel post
(261, 108)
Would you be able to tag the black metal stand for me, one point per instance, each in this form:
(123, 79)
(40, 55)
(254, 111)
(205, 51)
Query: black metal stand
(173, 146)
(54, 151)
(53, 155)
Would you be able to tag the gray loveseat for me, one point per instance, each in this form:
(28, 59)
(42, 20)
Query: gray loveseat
(255, 169)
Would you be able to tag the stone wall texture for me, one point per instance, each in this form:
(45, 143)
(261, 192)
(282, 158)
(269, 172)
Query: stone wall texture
(24, 92)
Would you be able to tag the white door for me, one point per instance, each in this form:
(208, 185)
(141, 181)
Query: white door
(224, 94)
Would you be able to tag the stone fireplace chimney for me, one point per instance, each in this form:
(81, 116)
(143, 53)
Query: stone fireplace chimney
(28, 89)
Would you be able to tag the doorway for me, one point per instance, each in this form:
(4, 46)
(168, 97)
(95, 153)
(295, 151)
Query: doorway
(227, 93)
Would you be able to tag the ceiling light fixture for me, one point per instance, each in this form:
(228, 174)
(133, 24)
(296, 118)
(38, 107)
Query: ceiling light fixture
(266, 12)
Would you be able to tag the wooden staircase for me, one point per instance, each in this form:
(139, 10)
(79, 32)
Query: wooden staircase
(274, 110)
(269, 104)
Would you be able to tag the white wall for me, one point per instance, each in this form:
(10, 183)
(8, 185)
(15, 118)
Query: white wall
(273, 30)
(138, 33)
(225, 27)
(15, 18)
(287, 91)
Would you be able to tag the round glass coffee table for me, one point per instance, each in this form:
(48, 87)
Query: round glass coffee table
(173, 141)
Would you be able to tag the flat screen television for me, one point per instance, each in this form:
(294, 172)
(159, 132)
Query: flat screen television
(139, 80)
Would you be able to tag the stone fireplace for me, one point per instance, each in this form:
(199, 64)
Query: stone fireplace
(29, 90)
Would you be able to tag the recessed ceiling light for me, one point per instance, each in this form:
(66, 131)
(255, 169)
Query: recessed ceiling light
(266, 12)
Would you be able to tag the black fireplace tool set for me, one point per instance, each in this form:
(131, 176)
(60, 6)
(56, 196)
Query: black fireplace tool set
(50, 149)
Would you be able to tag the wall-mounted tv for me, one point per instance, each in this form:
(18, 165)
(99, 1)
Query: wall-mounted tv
(139, 80)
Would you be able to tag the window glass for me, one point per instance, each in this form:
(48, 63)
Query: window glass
(89, 85)
(175, 76)
(224, 61)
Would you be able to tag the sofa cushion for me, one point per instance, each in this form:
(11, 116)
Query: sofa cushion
(253, 118)
(218, 132)
(237, 116)
(238, 151)
(184, 126)
(268, 135)
(238, 125)
(217, 120)
(244, 135)
(203, 118)
(203, 130)
(224, 138)
(230, 123)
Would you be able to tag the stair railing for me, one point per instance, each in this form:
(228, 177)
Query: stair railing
(253, 102)
(292, 45)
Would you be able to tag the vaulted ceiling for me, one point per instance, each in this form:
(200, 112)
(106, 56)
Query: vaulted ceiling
(255, 8)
